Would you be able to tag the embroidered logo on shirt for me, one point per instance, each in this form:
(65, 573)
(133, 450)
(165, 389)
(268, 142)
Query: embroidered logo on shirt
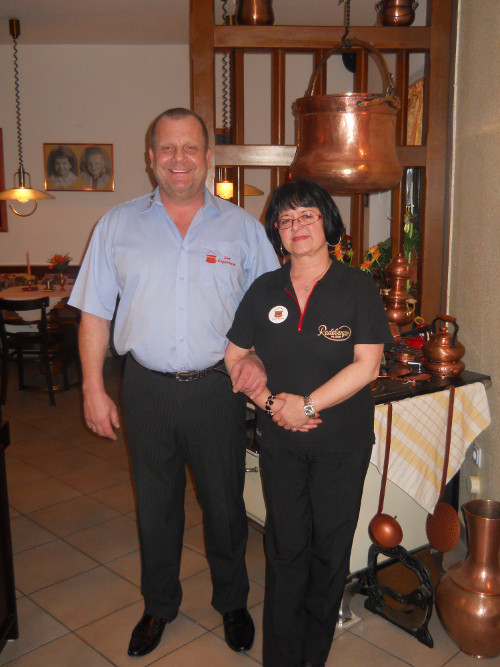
(341, 333)
(278, 314)
(211, 258)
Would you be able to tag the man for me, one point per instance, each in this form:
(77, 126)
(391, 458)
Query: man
(180, 260)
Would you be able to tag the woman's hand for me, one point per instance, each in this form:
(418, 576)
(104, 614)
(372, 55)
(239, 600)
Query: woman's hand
(290, 413)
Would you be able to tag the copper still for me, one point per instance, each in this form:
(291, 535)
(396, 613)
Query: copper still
(443, 352)
(399, 308)
(396, 12)
(468, 595)
(255, 12)
(347, 143)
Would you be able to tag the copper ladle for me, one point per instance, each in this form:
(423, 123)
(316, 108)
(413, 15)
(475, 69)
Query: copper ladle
(385, 532)
(443, 527)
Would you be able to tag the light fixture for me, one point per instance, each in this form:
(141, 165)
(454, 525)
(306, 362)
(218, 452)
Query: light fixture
(224, 187)
(22, 190)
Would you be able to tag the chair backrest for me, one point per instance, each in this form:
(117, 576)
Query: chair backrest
(38, 305)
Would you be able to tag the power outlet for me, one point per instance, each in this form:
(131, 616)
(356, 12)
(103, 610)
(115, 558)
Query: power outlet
(477, 455)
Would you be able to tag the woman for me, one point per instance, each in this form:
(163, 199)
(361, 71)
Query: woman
(319, 327)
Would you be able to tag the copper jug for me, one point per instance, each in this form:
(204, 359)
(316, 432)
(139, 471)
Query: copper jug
(443, 351)
(347, 143)
(396, 12)
(255, 12)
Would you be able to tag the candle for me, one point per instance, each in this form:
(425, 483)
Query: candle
(28, 263)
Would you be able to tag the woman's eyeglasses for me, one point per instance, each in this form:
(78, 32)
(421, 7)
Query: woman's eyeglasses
(303, 220)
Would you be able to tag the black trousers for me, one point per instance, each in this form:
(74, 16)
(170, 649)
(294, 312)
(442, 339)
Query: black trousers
(203, 422)
(313, 500)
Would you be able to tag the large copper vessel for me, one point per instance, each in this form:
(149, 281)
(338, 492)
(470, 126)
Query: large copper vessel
(347, 143)
(468, 595)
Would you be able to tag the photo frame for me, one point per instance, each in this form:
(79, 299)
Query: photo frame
(79, 167)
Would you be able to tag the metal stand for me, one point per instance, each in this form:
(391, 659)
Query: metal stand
(417, 611)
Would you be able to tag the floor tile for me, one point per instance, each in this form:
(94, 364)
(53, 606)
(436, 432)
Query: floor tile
(111, 635)
(192, 510)
(19, 430)
(64, 460)
(73, 515)
(68, 650)
(103, 448)
(65, 419)
(193, 538)
(108, 540)
(123, 461)
(464, 660)
(256, 564)
(47, 564)
(26, 534)
(94, 477)
(36, 628)
(120, 496)
(207, 650)
(30, 497)
(87, 597)
(19, 473)
(385, 635)
(349, 650)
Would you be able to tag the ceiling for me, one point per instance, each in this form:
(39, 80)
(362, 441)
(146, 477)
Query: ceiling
(149, 21)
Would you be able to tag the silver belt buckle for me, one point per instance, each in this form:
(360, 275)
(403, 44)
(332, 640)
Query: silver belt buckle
(188, 376)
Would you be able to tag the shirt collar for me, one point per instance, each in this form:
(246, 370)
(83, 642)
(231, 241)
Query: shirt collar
(330, 279)
(209, 200)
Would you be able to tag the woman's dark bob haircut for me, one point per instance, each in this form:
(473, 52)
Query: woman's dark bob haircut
(307, 194)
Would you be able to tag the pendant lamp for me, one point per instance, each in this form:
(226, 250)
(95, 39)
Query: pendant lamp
(22, 190)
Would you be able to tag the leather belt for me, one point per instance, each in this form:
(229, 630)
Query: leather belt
(189, 376)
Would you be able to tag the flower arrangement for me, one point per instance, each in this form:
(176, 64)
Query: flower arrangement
(378, 256)
(59, 263)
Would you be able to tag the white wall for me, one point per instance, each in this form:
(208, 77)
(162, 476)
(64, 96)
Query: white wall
(82, 94)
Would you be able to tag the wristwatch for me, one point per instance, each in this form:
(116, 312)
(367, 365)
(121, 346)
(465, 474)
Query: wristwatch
(309, 408)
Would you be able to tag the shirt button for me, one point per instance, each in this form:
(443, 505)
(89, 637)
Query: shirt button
(181, 309)
(181, 278)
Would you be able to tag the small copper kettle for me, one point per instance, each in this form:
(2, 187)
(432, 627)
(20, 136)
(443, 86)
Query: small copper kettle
(443, 351)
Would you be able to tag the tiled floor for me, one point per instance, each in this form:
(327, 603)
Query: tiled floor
(77, 559)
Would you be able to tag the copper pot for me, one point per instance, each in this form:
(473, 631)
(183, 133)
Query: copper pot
(396, 12)
(255, 12)
(347, 143)
(443, 351)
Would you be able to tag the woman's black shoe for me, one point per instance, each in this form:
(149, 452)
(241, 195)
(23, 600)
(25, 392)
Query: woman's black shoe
(147, 634)
(239, 630)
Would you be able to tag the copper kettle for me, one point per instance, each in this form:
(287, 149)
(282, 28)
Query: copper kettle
(443, 351)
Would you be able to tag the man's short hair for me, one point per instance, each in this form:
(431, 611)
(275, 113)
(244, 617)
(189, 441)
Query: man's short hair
(176, 114)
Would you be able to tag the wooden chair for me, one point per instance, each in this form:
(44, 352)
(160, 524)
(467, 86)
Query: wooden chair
(30, 336)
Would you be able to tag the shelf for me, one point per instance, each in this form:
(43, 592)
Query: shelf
(299, 38)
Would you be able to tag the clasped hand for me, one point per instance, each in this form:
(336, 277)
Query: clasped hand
(288, 412)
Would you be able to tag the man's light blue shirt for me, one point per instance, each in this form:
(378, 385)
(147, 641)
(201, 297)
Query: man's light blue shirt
(177, 296)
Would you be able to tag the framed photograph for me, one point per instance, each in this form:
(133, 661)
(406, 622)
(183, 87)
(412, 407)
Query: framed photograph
(79, 167)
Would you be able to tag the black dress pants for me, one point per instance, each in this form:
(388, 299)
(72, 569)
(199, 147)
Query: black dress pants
(168, 422)
(313, 499)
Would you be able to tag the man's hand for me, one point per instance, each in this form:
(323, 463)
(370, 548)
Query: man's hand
(249, 376)
(101, 414)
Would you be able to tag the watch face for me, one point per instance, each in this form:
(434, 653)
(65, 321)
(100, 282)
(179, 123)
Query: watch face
(310, 412)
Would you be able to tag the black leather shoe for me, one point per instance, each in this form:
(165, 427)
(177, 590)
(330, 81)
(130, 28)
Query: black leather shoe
(239, 630)
(147, 634)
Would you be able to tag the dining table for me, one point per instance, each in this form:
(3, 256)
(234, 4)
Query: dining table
(56, 296)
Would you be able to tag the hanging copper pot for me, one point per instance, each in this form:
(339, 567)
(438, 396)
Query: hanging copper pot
(396, 12)
(255, 12)
(443, 352)
(347, 143)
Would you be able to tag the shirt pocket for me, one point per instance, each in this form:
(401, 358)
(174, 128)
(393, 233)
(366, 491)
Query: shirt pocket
(220, 266)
